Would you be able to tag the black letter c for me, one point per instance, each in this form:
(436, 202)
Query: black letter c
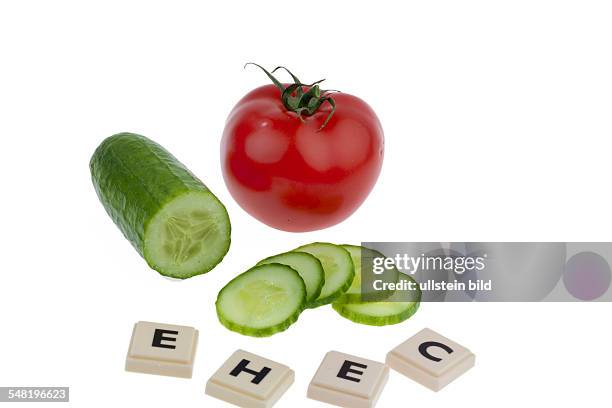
(424, 346)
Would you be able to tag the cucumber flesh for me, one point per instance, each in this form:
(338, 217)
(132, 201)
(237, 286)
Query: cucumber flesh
(337, 267)
(308, 266)
(354, 291)
(376, 313)
(169, 216)
(359, 254)
(262, 301)
(382, 310)
(187, 235)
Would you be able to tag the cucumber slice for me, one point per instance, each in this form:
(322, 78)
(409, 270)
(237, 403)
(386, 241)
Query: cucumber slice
(262, 301)
(308, 266)
(172, 219)
(359, 254)
(382, 310)
(377, 313)
(337, 267)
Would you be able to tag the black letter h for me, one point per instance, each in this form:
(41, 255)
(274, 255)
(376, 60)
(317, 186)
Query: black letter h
(242, 366)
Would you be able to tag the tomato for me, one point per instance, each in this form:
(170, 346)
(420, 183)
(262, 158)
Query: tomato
(291, 169)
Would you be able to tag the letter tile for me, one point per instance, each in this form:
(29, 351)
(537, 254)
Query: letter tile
(431, 359)
(348, 381)
(162, 349)
(250, 381)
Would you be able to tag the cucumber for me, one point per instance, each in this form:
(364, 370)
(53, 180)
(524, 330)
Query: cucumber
(359, 254)
(172, 219)
(382, 307)
(337, 267)
(376, 313)
(262, 301)
(309, 268)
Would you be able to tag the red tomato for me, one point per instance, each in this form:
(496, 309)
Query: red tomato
(295, 175)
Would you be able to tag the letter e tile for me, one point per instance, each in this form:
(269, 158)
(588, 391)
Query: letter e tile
(162, 349)
(348, 381)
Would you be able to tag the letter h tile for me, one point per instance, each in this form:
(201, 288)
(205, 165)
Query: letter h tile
(250, 381)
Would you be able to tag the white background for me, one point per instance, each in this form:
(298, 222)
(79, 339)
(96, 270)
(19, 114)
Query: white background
(497, 119)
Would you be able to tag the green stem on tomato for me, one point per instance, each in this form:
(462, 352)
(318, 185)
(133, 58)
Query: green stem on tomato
(303, 99)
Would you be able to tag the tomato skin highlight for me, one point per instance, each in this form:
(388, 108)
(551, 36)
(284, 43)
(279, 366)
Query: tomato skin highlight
(292, 175)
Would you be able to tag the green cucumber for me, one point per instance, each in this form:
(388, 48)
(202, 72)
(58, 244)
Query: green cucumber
(172, 219)
(337, 266)
(383, 307)
(308, 266)
(359, 254)
(262, 301)
(376, 313)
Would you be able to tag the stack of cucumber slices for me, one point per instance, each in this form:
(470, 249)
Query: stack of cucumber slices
(269, 297)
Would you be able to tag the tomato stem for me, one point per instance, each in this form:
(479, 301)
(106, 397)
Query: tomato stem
(303, 99)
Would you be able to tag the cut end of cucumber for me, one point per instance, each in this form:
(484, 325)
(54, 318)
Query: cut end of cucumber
(188, 237)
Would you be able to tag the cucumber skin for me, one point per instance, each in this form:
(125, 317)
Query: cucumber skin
(268, 331)
(335, 295)
(352, 297)
(134, 177)
(329, 299)
(343, 311)
(319, 287)
(249, 331)
(343, 303)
